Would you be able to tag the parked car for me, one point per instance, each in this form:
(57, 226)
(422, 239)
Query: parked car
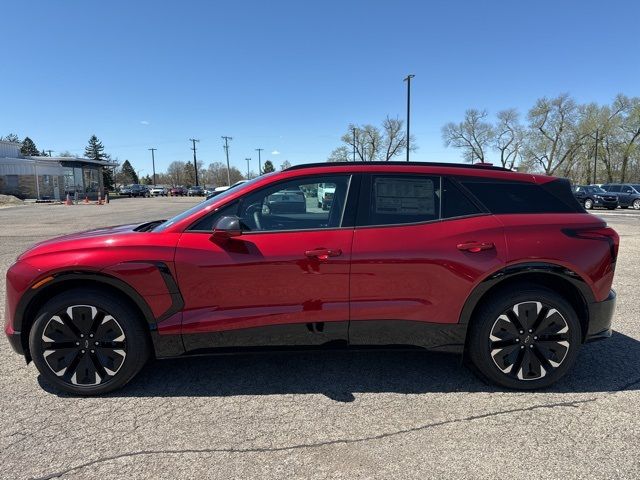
(628, 194)
(177, 191)
(195, 191)
(504, 267)
(325, 195)
(593, 196)
(135, 190)
(159, 191)
(287, 201)
(219, 190)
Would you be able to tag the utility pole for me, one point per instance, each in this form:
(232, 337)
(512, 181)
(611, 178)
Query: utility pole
(226, 149)
(354, 144)
(153, 163)
(248, 160)
(595, 159)
(259, 150)
(195, 161)
(408, 80)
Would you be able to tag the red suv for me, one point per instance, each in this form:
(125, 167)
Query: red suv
(506, 268)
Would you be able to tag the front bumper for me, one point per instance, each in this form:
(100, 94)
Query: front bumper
(15, 340)
(600, 318)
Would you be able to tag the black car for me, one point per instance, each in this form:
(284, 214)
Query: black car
(135, 190)
(593, 196)
(628, 194)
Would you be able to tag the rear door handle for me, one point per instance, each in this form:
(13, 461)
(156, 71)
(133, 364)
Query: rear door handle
(475, 247)
(323, 253)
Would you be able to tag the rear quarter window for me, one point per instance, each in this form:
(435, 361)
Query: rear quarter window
(501, 197)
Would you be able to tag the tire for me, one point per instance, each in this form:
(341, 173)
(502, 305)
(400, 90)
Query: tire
(588, 204)
(70, 321)
(319, 204)
(636, 204)
(497, 345)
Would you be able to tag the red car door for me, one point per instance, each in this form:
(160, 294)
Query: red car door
(284, 281)
(416, 257)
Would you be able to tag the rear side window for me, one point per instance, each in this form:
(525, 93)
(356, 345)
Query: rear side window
(455, 203)
(522, 197)
(404, 199)
(614, 188)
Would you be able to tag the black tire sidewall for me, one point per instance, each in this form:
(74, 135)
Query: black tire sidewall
(136, 338)
(479, 349)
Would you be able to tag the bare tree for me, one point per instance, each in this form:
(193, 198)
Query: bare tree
(554, 137)
(508, 137)
(175, 171)
(473, 135)
(284, 165)
(372, 143)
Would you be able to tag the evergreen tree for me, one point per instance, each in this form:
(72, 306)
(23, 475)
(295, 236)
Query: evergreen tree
(268, 167)
(129, 173)
(146, 180)
(29, 148)
(95, 149)
(189, 174)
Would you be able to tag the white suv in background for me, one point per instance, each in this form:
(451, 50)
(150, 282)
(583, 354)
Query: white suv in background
(159, 191)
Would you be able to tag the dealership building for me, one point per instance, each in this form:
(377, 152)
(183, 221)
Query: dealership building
(48, 178)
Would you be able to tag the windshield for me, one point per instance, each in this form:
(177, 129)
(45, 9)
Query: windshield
(204, 204)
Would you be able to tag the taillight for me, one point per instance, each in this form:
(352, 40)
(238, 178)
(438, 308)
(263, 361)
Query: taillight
(605, 234)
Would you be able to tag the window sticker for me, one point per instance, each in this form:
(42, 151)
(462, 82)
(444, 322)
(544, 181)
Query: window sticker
(404, 196)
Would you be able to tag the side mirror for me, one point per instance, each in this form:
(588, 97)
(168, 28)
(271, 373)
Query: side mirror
(226, 228)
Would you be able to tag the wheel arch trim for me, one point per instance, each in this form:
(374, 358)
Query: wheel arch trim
(521, 270)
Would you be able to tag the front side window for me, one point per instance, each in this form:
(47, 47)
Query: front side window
(308, 203)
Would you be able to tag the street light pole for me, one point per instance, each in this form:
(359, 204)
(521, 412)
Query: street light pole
(248, 160)
(408, 80)
(259, 150)
(195, 161)
(153, 163)
(354, 144)
(226, 149)
(595, 159)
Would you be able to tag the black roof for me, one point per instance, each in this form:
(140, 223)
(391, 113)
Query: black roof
(400, 164)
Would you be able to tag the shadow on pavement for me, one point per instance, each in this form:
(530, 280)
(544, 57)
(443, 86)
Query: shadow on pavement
(609, 365)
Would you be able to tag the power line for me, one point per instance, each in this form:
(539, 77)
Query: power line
(259, 150)
(195, 161)
(226, 150)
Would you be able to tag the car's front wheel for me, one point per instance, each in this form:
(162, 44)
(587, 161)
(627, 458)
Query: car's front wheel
(588, 204)
(636, 204)
(87, 342)
(524, 338)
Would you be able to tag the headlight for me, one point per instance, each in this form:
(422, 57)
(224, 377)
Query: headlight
(599, 197)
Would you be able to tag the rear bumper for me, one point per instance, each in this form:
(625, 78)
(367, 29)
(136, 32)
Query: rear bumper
(600, 318)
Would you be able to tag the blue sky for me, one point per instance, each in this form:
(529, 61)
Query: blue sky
(290, 76)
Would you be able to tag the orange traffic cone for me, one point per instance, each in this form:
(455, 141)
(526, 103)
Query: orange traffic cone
(86, 200)
(99, 202)
(68, 200)
(106, 197)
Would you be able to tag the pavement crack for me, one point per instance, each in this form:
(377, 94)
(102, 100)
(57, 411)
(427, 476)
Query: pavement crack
(343, 441)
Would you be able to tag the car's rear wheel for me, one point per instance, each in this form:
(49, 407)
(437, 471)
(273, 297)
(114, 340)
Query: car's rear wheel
(588, 204)
(87, 342)
(524, 338)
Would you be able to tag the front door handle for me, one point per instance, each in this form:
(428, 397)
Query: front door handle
(475, 247)
(323, 253)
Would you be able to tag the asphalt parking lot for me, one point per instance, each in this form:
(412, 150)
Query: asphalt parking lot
(362, 415)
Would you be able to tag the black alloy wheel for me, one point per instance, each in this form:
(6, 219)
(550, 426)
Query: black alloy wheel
(529, 340)
(524, 337)
(88, 342)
